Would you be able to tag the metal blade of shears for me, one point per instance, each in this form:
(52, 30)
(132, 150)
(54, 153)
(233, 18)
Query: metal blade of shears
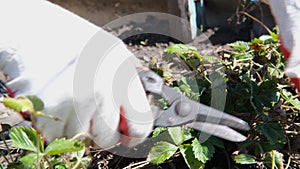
(184, 111)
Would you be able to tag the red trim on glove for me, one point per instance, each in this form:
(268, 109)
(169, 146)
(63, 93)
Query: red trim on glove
(10, 92)
(296, 82)
(123, 127)
(286, 53)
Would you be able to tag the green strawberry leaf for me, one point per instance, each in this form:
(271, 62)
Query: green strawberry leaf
(177, 135)
(31, 160)
(161, 151)
(203, 152)
(273, 132)
(63, 145)
(244, 159)
(21, 104)
(278, 159)
(158, 130)
(189, 157)
(38, 104)
(183, 50)
(26, 138)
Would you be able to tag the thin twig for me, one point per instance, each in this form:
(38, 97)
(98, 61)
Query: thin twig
(118, 162)
(137, 165)
(256, 20)
(292, 132)
(140, 166)
(290, 151)
(288, 163)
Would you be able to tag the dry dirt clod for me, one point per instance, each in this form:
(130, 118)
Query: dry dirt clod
(8, 116)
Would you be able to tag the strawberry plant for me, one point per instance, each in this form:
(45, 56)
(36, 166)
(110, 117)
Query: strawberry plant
(181, 141)
(195, 154)
(60, 153)
(257, 91)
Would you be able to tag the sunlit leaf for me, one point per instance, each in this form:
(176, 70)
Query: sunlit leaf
(288, 96)
(176, 134)
(198, 151)
(295, 102)
(158, 130)
(183, 50)
(31, 160)
(21, 104)
(242, 55)
(244, 159)
(189, 157)
(203, 152)
(278, 159)
(208, 150)
(26, 138)
(161, 151)
(187, 134)
(265, 37)
(240, 45)
(63, 145)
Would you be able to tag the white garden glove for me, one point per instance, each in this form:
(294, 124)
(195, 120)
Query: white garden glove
(85, 76)
(287, 16)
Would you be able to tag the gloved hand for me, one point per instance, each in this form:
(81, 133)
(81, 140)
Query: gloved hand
(287, 14)
(85, 76)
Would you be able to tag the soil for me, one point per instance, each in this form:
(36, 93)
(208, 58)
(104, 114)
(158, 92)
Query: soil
(101, 12)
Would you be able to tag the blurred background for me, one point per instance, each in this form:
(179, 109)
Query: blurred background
(223, 21)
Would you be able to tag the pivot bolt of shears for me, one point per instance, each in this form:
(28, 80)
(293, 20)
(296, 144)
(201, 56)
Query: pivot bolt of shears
(183, 108)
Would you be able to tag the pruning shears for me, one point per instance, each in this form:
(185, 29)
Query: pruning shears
(186, 112)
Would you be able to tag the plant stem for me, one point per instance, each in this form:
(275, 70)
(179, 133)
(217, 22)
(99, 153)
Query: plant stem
(46, 159)
(273, 159)
(4, 157)
(77, 163)
(7, 148)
